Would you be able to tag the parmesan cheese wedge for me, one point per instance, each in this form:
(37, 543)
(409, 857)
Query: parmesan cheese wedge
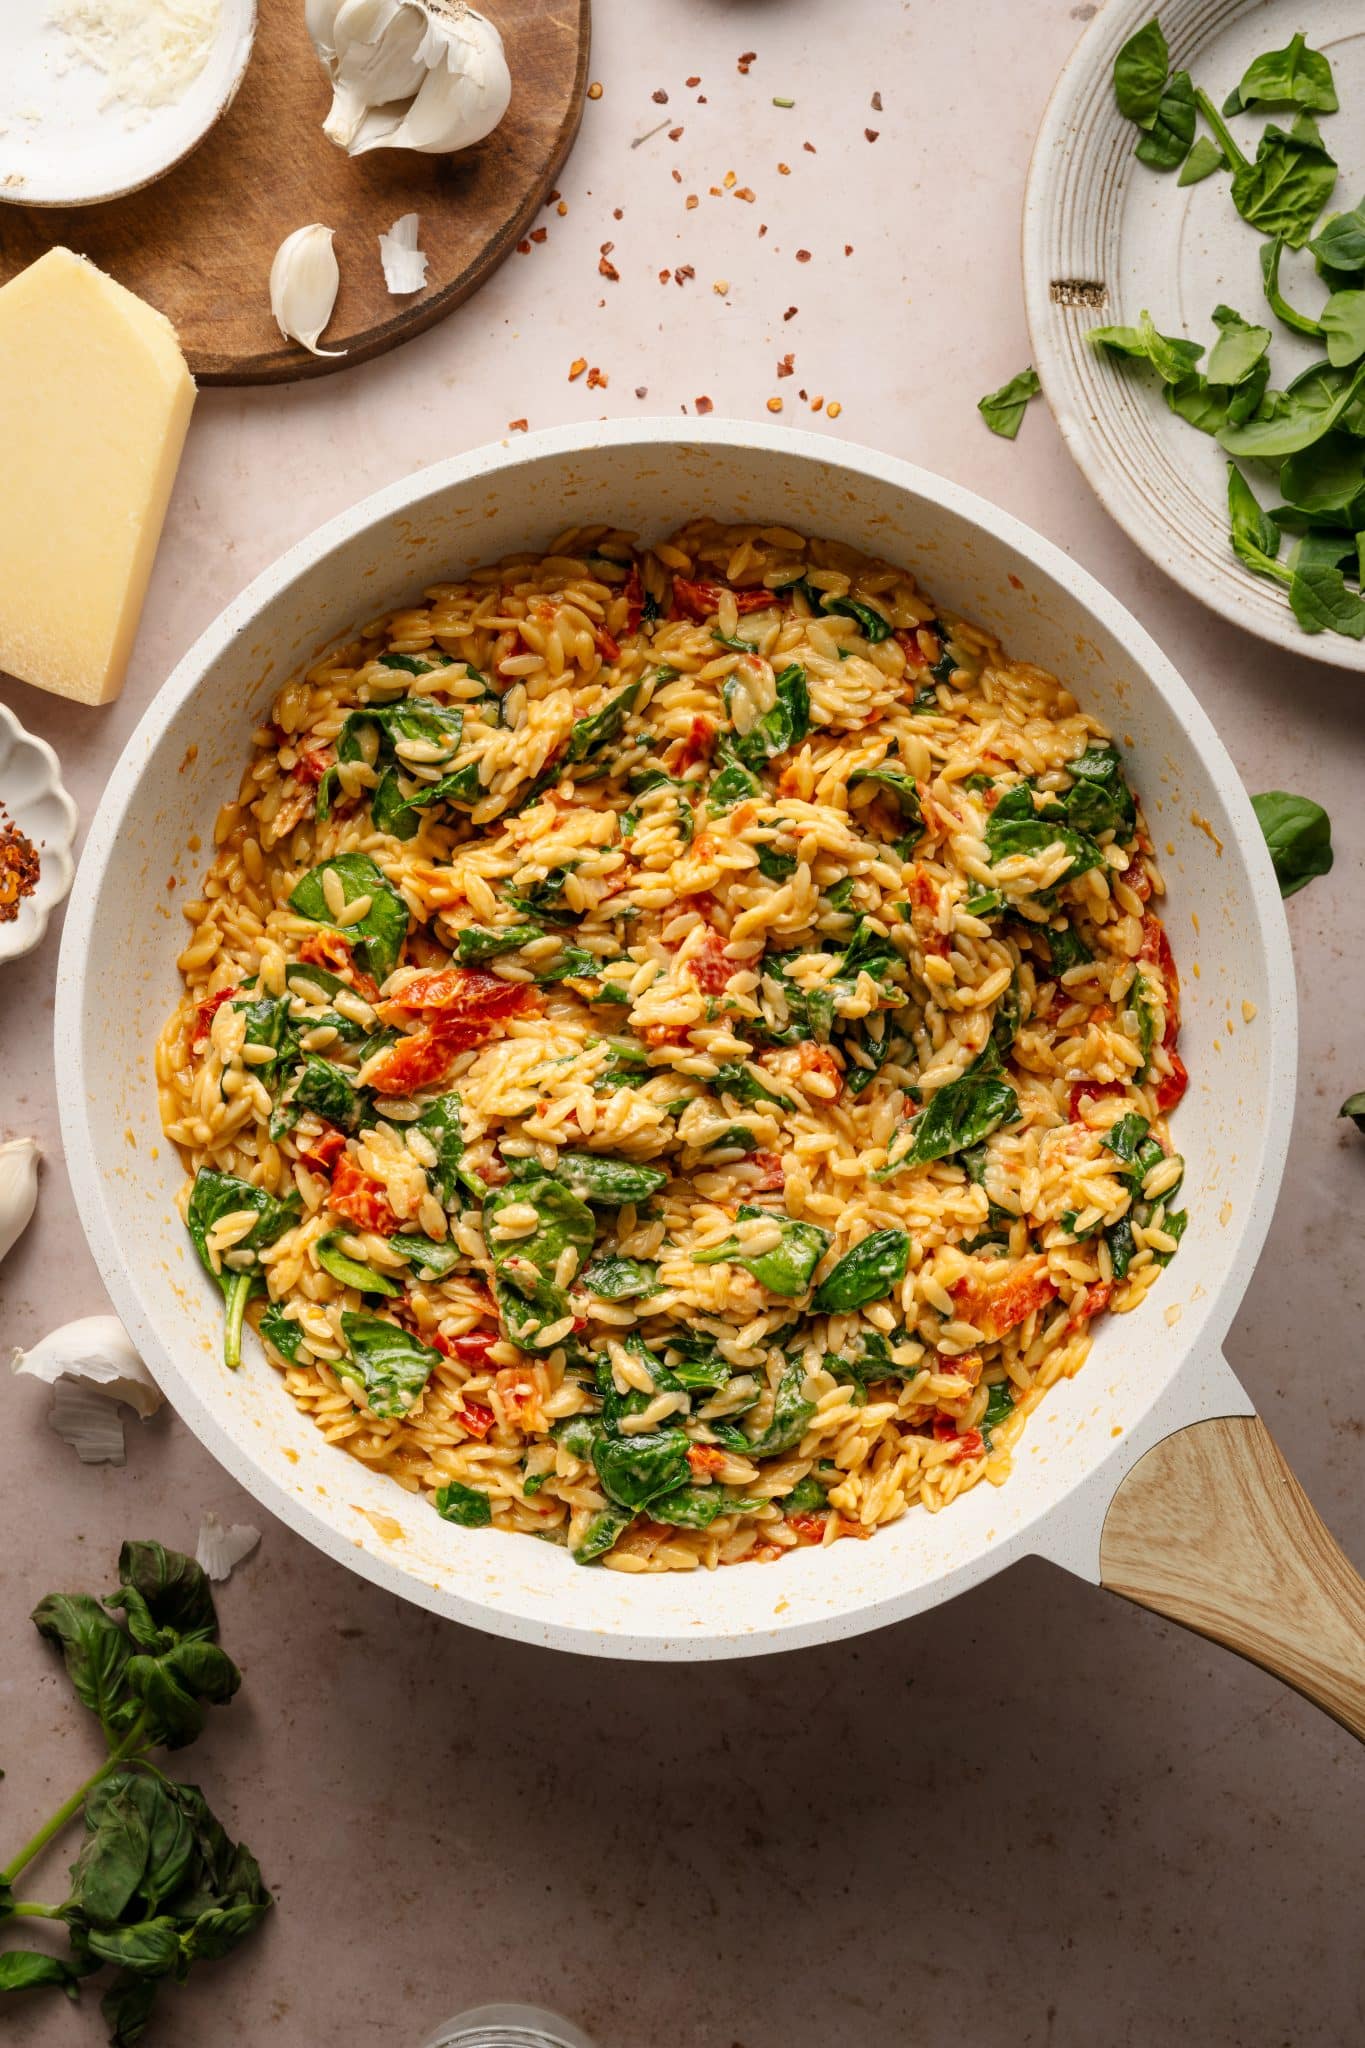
(94, 402)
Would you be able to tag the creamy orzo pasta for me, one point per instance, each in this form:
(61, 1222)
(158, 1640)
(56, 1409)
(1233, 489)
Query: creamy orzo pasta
(676, 1046)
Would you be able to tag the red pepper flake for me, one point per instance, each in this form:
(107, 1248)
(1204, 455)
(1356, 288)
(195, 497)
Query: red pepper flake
(791, 313)
(803, 393)
(642, 391)
(597, 380)
(803, 255)
(551, 197)
(674, 134)
(745, 193)
(683, 272)
(594, 91)
(664, 276)
(749, 57)
(606, 269)
(816, 404)
(833, 409)
(848, 248)
(562, 207)
(785, 367)
(606, 248)
(872, 133)
(701, 99)
(809, 147)
(691, 81)
(692, 200)
(577, 367)
(523, 248)
(676, 176)
(784, 170)
(763, 230)
(715, 191)
(774, 405)
(618, 213)
(876, 103)
(539, 234)
(516, 426)
(703, 405)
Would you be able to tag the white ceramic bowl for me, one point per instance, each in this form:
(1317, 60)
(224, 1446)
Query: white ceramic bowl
(1147, 1375)
(31, 793)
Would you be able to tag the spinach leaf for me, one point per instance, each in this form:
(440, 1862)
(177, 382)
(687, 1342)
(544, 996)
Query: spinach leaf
(785, 725)
(348, 1272)
(1203, 160)
(430, 1260)
(999, 1406)
(26, 1969)
(1171, 357)
(1304, 416)
(876, 1052)
(597, 1177)
(736, 1081)
(1354, 1108)
(697, 1507)
(601, 1533)
(588, 735)
(1067, 947)
(1255, 537)
(620, 1279)
(1299, 835)
(901, 788)
(1003, 410)
(1015, 827)
(463, 1504)
(440, 1125)
(268, 1023)
(1340, 247)
(776, 867)
(391, 1366)
(1343, 322)
(1328, 477)
(635, 1470)
(806, 1497)
(731, 785)
(1291, 180)
(865, 1273)
(1166, 144)
(791, 1418)
(787, 1268)
(1322, 603)
(378, 936)
(960, 1115)
(478, 942)
(1101, 800)
(214, 1196)
(1125, 1135)
(873, 626)
(281, 1331)
(1292, 77)
(700, 1368)
(327, 1090)
(1275, 299)
(1238, 349)
(1140, 74)
(529, 1296)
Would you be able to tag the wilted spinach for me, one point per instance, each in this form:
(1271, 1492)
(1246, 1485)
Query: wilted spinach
(619, 1279)
(214, 1196)
(530, 1298)
(785, 725)
(349, 1272)
(786, 1269)
(463, 1504)
(378, 936)
(867, 1272)
(391, 1366)
(597, 1177)
(959, 1116)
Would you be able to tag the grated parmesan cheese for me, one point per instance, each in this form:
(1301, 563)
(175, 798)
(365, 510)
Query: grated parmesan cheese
(150, 50)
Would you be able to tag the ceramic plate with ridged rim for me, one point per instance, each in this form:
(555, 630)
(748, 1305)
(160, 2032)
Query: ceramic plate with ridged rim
(1104, 237)
(32, 797)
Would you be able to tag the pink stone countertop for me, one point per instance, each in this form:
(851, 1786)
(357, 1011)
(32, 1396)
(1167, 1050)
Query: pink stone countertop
(1036, 1818)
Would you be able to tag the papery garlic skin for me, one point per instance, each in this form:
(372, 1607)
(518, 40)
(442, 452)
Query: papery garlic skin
(18, 1189)
(219, 1549)
(428, 75)
(89, 1422)
(405, 266)
(304, 280)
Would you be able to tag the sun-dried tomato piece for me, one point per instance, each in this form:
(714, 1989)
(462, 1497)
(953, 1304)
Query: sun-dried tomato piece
(696, 747)
(705, 1458)
(1092, 1301)
(203, 1019)
(701, 601)
(808, 1528)
(360, 1199)
(772, 1173)
(421, 1060)
(330, 949)
(474, 1417)
(322, 1152)
(995, 1309)
(1092, 1091)
(460, 995)
(1170, 1087)
(313, 764)
(709, 967)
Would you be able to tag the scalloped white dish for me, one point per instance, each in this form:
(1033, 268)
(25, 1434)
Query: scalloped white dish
(1104, 237)
(64, 142)
(31, 794)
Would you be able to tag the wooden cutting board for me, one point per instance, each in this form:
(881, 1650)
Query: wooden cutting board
(199, 243)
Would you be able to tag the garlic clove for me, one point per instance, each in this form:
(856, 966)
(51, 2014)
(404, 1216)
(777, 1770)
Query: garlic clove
(219, 1549)
(405, 266)
(319, 18)
(88, 1422)
(18, 1189)
(376, 62)
(96, 1353)
(304, 280)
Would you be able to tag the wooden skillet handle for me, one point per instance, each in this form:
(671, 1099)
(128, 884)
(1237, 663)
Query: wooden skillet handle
(1212, 1529)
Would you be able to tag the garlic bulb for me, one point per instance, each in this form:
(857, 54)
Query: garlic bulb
(18, 1189)
(304, 279)
(405, 266)
(429, 75)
